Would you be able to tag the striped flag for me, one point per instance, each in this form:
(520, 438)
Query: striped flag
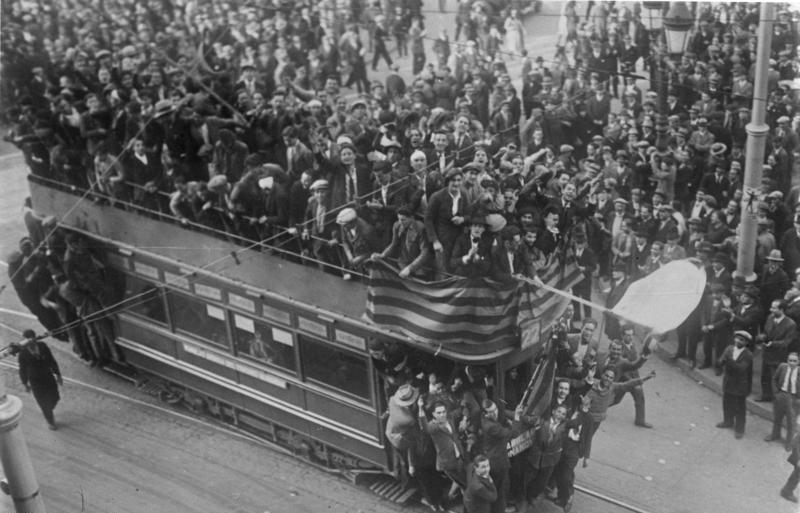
(539, 308)
(457, 310)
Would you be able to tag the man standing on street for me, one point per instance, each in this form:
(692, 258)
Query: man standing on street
(787, 492)
(737, 366)
(779, 337)
(39, 372)
(786, 399)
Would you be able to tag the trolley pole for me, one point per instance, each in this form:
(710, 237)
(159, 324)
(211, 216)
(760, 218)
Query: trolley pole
(757, 131)
(15, 458)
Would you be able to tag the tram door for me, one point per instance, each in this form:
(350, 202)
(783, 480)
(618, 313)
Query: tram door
(515, 381)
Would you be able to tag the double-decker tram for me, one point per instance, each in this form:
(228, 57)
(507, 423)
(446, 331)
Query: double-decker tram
(255, 337)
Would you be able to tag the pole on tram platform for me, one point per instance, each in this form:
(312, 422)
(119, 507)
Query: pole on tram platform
(14, 456)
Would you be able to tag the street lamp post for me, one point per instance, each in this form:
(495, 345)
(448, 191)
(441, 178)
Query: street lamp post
(22, 484)
(757, 131)
(677, 23)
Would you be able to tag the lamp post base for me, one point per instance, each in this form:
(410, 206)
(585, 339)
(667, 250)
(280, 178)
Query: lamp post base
(749, 278)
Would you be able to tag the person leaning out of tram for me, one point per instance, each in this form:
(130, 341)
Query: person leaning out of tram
(357, 238)
(409, 248)
(403, 431)
(446, 436)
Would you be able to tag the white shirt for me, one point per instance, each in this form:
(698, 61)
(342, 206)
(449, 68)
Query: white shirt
(456, 197)
(790, 381)
(737, 351)
(697, 209)
(616, 224)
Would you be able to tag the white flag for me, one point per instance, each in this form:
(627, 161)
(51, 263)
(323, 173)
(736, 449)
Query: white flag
(665, 298)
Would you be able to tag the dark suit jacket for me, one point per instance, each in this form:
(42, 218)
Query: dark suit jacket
(298, 201)
(465, 151)
(790, 248)
(495, 438)
(638, 261)
(302, 160)
(567, 217)
(548, 242)
(663, 231)
(588, 259)
(747, 318)
(363, 242)
(546, 449)
(718, 190)
(445, 442)
(336, 174)
(738, 377)
(411, 248)
(783, 335)
(438, 218)
(480, 493)
(479, 269)
(433, 159)
(501, 268)
(780, 376)
(574, 340)
(712, 315)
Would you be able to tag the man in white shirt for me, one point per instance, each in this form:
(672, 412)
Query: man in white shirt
(786, 401)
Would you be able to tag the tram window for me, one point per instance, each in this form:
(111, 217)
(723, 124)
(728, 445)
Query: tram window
(199, 318)
(264, 343)
(147, 300)
(333, 367)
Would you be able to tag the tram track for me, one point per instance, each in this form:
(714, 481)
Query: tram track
(228, 429)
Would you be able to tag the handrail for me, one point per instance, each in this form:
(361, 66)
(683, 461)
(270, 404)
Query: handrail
(201, 227)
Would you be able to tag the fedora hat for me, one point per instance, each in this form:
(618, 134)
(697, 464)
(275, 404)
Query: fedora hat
(406, 395)
(775, 255)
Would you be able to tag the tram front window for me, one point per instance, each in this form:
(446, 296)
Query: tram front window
(333, 367)
(147, 302)
(264, 343)
(199, 318)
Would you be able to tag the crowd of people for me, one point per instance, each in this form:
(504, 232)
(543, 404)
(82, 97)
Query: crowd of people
(451, 433)
(259, 122)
